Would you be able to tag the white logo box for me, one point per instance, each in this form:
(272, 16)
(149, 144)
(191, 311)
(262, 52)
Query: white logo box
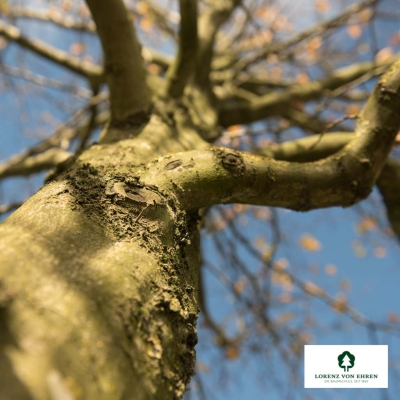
(361, 366)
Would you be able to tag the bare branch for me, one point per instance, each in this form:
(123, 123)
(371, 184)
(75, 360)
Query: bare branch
(277, 103)
(34, 164)
(84, 68)
(43, 155)
(320, 28)
(203, 99)
(64, 20)
(41, 80)
(185, 61)
(47, 15)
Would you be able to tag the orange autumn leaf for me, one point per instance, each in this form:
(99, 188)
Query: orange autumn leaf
(393, 317)
(146, 24)
(3, 43)
(285, 298)
(154, 69)
(379, 252)
(232, 352)
(238, 208)
(302, 77)
(234, 128)
(366, 225)
(314, 44)
(330, 269)
(340, 303)
(142, 8)
(365, 15)
(66, 5)
(397, 139)
(322, 6)
(263, 213)
(384, 54)
(285, 317)
(268, 13)
(84, 11)
(395, 39)
(353, 109)
(309, 243)
(239, 285)
(220, 224)
(281, 264)
(53, 12)
(282, 279)
(261, 11)
(354, 31)
(77, 48)
(306, 337)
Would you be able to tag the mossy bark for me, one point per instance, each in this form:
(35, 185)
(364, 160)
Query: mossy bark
(99, 280)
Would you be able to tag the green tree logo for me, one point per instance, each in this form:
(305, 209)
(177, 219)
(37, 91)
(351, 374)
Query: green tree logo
(346, 360)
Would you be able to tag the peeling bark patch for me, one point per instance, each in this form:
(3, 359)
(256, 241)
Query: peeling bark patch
(173, 164)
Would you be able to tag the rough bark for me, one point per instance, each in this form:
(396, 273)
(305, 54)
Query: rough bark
(98, 280)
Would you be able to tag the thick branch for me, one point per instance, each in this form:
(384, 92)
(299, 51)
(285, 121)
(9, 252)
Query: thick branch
(225, 176)
(129, 95)
(185, 61)
(316, 147)
(209, 24)
(277, 103)
(84, 68)
(203, 98)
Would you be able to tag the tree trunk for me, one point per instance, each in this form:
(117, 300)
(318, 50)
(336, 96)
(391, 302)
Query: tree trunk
(99, 280)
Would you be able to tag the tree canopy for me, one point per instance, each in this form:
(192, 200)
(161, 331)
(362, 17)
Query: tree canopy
(172, 138)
